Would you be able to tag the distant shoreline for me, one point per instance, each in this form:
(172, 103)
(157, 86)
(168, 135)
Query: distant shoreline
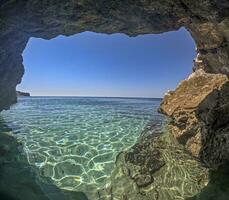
(22, 94)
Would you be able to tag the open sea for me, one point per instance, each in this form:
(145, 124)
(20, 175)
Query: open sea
(75, 140)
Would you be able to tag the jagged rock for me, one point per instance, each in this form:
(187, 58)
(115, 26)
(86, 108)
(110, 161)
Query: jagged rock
(199, 112)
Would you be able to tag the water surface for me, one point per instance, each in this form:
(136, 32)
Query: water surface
(74, 140)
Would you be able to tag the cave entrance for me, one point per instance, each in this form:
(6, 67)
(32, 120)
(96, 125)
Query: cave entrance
(92, 96)
(93, 64)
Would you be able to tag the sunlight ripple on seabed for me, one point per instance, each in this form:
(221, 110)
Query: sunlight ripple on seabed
(75, 140)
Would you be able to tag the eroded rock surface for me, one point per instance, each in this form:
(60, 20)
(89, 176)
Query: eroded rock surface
(199, 112)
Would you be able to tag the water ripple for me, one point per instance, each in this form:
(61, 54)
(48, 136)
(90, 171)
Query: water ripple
(75, 140)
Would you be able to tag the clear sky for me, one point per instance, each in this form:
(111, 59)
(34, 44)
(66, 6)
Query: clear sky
(92, 64)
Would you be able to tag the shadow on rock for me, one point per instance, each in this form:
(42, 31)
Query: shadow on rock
(218, 186)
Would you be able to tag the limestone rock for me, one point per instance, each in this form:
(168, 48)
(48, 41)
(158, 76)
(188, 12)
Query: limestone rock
(199, 113)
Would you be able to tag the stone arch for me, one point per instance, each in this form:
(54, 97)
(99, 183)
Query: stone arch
(207, 21)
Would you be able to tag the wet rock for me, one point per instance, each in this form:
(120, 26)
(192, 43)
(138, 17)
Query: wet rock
(146, 158)
(131, 181)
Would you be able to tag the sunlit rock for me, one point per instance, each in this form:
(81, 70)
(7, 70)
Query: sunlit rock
(199, 113)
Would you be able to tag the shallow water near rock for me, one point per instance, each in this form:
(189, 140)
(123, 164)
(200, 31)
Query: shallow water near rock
(179, 178)
(75, 140)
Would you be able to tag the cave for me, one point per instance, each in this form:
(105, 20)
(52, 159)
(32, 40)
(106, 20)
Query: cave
(198, 109)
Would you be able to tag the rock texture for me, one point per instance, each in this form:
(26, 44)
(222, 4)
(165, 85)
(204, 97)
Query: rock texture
(168, 172)
(146, 155)
(199, 112)
(206, 20)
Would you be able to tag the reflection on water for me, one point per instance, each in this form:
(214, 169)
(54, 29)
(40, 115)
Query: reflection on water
(74, 141)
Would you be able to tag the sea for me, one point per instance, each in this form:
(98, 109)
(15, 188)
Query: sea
(74, 141)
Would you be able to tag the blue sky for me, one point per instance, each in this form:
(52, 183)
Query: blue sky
(92, 64)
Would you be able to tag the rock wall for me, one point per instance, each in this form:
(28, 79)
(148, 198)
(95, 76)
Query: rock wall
(206, 20)
(199, 113)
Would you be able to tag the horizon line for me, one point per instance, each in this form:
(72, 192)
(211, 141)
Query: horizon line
(95, 96)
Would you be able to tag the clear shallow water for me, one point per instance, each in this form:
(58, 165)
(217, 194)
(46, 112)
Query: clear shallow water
(75, 140)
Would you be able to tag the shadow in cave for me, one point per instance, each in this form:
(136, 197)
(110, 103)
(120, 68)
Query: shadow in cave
(218, 186)
(213, 112)
(18, 180)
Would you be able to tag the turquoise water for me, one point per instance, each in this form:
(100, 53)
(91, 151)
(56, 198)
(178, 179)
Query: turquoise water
(75, 140)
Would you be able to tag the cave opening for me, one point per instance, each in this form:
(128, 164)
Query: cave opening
(93, 64)
(92, 95)
(198, 108)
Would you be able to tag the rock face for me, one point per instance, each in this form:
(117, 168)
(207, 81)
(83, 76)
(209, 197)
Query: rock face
(23, 94)
(206, 20)
(199, 112)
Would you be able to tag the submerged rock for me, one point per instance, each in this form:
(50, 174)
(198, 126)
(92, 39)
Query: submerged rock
(148, 160)
(175, 174)
(143, 180)
(146, 155)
